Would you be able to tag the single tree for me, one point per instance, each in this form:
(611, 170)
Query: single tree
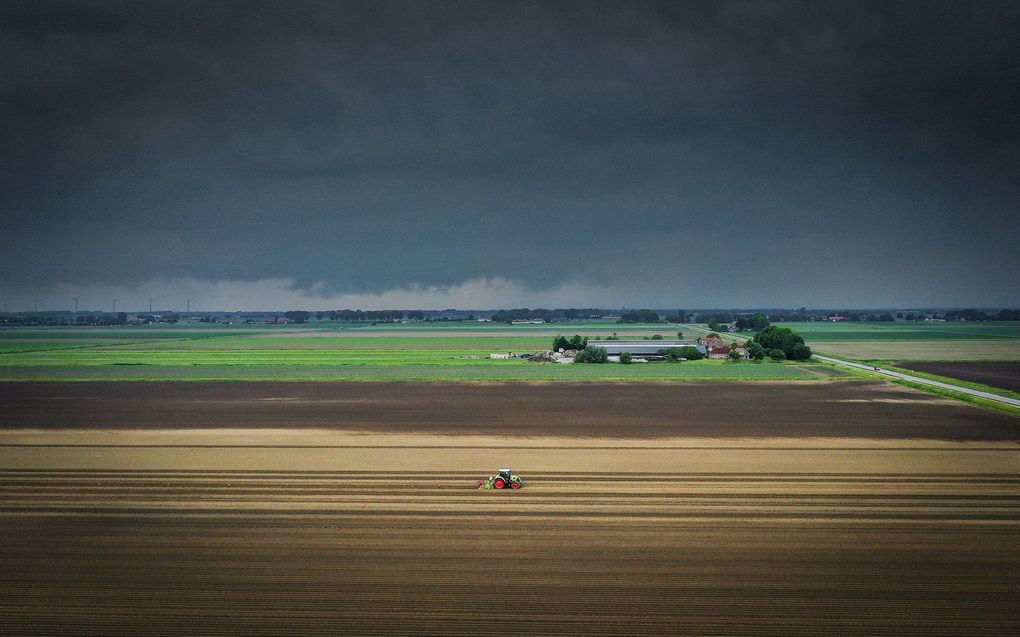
(673, 354)
(626, 358)
(755, 350)
(592, 354)
(691, 353)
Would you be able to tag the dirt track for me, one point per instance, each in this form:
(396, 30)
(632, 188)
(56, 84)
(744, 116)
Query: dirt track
(381, 531)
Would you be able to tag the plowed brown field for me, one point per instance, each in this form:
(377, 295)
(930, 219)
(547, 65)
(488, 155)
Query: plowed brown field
(374, 526)
(1004, 375)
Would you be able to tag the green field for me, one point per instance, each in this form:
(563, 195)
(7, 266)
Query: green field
(351, 341)
(340, 353)
(447, 351)
(819, 332)
(586, 327)
(984, 341)
(491, 371)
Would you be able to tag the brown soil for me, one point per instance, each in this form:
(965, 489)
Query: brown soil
(867, 410)
(146, 552)
(1002, 375)
(627, 525)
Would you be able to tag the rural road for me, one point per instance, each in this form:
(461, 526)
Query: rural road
(900, 375)
(923, 381)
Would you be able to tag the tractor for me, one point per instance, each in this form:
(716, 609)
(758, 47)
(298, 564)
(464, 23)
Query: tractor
(505, 479)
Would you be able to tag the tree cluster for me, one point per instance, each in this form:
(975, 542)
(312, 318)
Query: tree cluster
(757, 322)
(687, 352)
(549, 316)
(967, 315)
(577, 342)
(785, 340)
(359, 316)
(640, 316)
(296, 316)
(592, 354)
(681, 316)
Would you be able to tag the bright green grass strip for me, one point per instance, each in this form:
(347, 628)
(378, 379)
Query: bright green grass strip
(467, 327)
(77, 333)
(515, 371)
(86, 357)
(973, 350)
(120, 356)
(14, 347)
(470, 342)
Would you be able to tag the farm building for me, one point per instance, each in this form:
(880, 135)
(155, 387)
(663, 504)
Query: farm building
(643, 347)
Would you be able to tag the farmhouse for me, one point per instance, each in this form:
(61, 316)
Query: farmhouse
(643, 347)
(710, 342)
(717, 353)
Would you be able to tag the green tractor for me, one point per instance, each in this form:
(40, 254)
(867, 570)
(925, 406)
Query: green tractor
(505, 479)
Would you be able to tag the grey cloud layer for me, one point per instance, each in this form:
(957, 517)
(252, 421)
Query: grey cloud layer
(376, 145)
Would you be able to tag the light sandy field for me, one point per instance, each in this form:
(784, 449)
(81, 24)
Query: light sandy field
(633, 527)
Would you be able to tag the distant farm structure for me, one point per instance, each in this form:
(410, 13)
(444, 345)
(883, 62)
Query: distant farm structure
(615, 348)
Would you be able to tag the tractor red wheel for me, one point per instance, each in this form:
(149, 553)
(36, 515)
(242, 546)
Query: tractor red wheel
(498, 483)
(516, 484)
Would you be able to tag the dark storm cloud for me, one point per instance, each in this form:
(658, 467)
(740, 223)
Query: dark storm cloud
(779, 149)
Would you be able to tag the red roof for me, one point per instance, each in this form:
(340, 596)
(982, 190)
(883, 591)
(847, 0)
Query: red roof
(719, 350)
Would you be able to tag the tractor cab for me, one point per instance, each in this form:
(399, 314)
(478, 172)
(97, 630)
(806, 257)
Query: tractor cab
(505, 479)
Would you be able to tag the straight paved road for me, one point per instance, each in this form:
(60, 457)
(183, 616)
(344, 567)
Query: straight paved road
(923, 381)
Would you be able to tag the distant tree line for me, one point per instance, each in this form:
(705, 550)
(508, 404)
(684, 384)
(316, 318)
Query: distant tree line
(640, 316)
(802, 315)
(720, 322)
(120, 318)
(549, 316)
(688, 352)
(577, 342)
(365, 315)
(976, 315)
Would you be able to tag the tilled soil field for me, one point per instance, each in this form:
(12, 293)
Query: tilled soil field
(1002, 375)
(381, 530)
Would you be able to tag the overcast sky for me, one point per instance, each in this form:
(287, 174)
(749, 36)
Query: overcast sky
(264, 155)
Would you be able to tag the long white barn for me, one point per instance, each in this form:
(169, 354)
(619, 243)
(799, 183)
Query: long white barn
(642, 346)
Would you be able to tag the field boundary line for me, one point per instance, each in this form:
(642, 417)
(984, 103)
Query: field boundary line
(922, 381)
